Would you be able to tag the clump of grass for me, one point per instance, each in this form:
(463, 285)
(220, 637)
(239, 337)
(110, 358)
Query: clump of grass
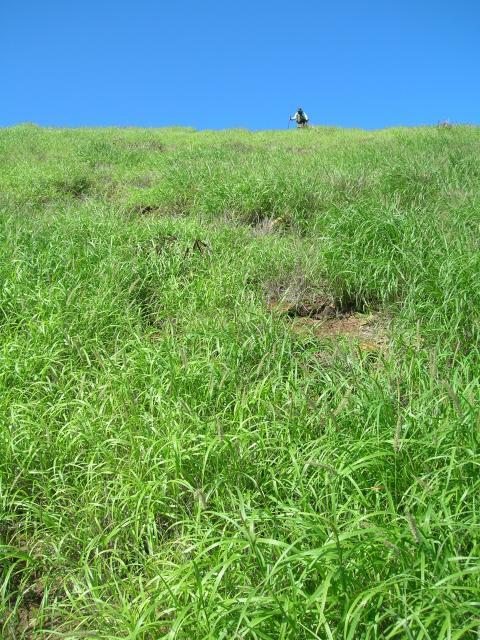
(175, 461)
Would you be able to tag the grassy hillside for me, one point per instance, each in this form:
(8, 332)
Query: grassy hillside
(239, 382)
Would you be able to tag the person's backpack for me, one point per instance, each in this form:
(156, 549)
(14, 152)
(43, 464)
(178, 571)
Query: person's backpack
(301, 117)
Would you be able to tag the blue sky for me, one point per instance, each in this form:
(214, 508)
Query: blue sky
(368, 64)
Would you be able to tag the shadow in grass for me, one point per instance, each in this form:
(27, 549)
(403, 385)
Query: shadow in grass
(147, 293)
(77, 187)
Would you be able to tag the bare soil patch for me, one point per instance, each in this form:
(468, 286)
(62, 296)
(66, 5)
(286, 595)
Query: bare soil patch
(324, 319)
(368, 331)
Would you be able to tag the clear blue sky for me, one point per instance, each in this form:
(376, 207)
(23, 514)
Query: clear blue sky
(239, 63)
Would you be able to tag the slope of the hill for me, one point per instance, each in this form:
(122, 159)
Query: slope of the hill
(239, 382)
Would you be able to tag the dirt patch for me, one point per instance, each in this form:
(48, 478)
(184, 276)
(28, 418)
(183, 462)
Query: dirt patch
(322, 317)
(368, 331)
(310, 309)
(26, 617)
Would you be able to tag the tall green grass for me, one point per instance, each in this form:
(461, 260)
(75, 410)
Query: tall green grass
(176, 462)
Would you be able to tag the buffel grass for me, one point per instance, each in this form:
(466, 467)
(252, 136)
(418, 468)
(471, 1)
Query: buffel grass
(177, 459)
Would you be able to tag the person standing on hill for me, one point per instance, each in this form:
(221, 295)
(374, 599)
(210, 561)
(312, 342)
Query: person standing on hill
(300, 118)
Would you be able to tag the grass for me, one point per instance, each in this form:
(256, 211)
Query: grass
(176, 461)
